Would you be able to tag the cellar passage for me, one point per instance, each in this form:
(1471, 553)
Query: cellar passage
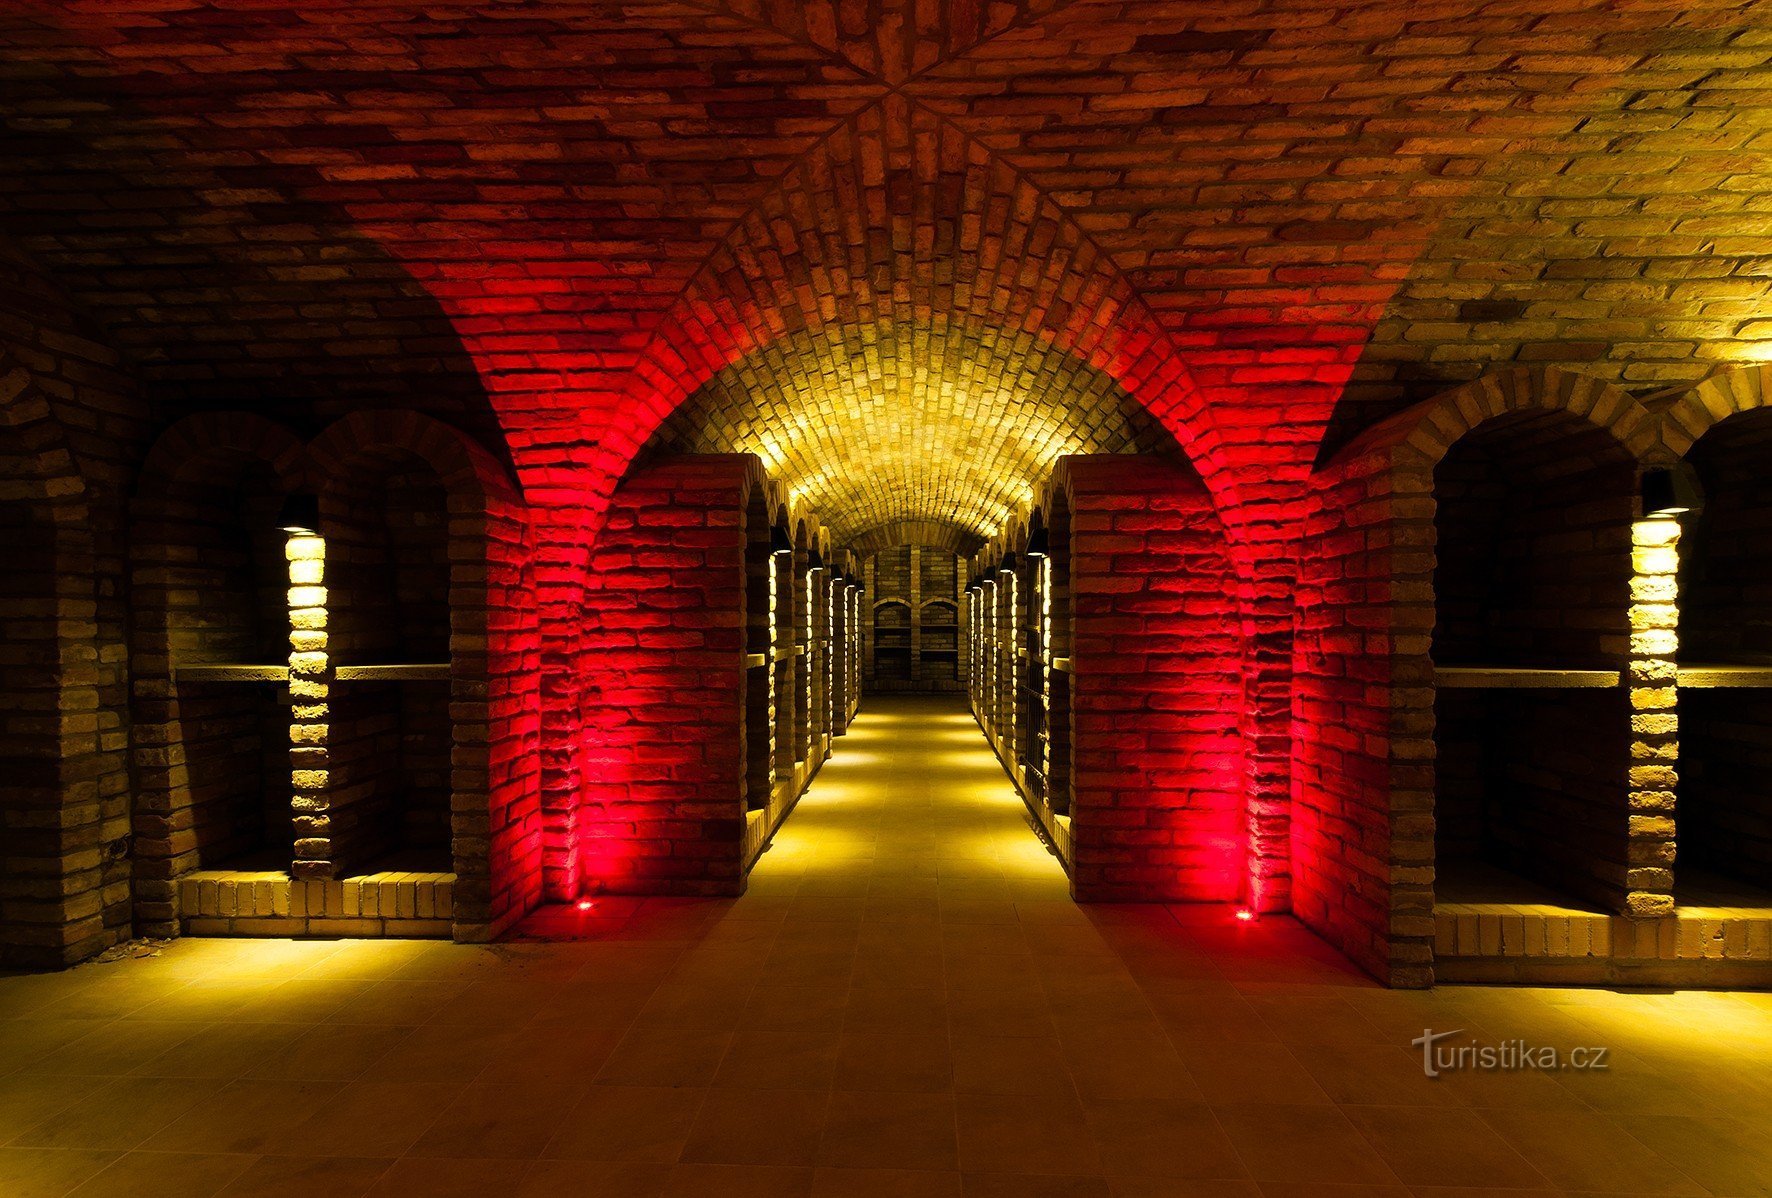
(464, 464)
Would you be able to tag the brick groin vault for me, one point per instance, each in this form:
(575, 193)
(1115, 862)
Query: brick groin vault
(462, 462)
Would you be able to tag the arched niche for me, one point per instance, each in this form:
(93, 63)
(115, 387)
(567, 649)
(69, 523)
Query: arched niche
(918, 643)
(1724, 813)
(431, 667)
(892, 641)
(939, 632)
(209, 654)
(1531, 591)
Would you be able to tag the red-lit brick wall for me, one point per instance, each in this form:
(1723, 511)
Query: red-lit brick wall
(1157, 803)
(664, 798)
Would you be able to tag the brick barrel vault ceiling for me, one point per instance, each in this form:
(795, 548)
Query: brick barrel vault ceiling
(906, 331)
(506, 203)
(911, 424)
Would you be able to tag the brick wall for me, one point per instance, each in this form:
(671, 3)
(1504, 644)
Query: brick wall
(665, 617)
(72, 428)
(1364, 697)
(1148, 761)
(915, 641)
(1157, 795)
(1532, 568)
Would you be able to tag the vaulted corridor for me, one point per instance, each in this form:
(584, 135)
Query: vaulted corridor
(904, 1003)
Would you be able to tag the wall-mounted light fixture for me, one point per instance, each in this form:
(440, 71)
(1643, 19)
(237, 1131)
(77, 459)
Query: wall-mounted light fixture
(1673, 491)
(300, 513)
(779, 542)
(1039, 544)
(814, 560)
(1008, 564)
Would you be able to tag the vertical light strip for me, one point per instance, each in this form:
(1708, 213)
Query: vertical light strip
(769, 669)
(1653, 681)
(1046, 676)
(309, 691)
(811, 651)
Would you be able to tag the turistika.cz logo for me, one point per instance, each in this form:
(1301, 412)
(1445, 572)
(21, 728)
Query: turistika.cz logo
(1508, 1056)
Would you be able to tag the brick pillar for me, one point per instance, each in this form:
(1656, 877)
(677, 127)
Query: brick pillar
(1653, 674)
(760, 682)
(1008, 716)
(818, 605)
(870, 590)
(987, 653)
(963, 614)
(858, 605)
(802, 659)
(310, 678)
(839, 668)
(782, 664)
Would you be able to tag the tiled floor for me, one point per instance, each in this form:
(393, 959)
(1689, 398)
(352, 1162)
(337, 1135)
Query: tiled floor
(905, 1004)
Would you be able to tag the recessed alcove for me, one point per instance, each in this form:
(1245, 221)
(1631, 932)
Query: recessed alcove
(213, 582)
(892, 643)
(1724, 821)
(386, 527)
(1532, 589)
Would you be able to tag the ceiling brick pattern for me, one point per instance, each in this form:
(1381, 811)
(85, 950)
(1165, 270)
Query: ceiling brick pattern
(1270, 223)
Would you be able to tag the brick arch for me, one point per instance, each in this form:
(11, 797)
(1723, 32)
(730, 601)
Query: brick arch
(1363, 691)
(949, 538)
(1422, 435)
(1695, 411)
(458, 460)
(854, 249)
(203, 439)
(934, 420)
(493, 647)
(51, 914)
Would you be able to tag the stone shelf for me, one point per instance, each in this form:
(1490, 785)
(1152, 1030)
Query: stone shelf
(1716, 675)
(407, 672)
(1062, 664)
(210, 672)
(755, 661)
(1517, 678)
